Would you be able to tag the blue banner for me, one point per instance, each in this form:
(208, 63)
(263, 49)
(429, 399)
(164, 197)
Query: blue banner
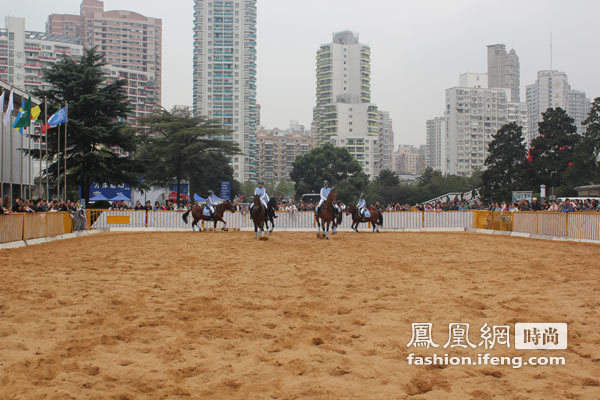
(226, 190)
(110, 191)
(185, 188)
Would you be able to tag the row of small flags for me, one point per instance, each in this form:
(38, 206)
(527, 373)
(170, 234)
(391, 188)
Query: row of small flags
(27, 114)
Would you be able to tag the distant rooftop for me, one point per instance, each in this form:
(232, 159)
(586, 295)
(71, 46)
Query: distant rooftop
(52, 37)
(345, 37)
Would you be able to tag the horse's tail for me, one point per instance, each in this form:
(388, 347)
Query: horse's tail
(380, 218)
(185, 216)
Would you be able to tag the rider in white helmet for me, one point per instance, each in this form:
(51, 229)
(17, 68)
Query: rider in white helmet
(325, 190)
(362, 205)
(261, 191)
(211, 202)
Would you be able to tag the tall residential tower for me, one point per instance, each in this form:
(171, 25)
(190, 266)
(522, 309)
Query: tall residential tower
(130, 43)
(344, 115)
(504, 70)
(225, 74)
(552, 90)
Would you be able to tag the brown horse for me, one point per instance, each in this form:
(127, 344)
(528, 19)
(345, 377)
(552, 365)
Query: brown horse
(258, 217)
(325, 217)
(198, 214)
(376, 219)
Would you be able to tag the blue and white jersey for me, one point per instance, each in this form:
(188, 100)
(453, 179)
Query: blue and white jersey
(325, 193)
(211, 200)
(362, 204)
(262, 192)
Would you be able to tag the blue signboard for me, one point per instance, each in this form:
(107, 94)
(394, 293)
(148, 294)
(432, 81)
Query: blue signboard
(184, 187)
(110, 191)
(226, 190)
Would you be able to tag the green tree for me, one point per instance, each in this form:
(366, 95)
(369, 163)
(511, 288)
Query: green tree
(586, 168)
(387, 178)
(179, 146)
(552, 153)
(247, 190)
(213, 168)
(505, 164)
(98, 145)
(334, 164)
(284, 189)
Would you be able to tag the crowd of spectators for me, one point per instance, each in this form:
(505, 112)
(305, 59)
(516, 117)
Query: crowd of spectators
(7, 206)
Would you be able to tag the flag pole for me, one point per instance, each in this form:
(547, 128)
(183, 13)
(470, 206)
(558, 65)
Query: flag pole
(11, 149)
(65, 155)
(46, 137)
(21, 152)
(30, 159)
(41, 178)
(2, 158)
(58, 163)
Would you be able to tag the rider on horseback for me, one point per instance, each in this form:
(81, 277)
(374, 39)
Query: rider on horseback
(211, 202)
(264, 198)
(362, 205)
(325, 190)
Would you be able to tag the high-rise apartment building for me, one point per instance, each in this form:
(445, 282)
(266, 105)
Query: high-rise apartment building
(344, 115)
(386, 140)
(278, 149)
(552, 90)
(408, 160)
(130, 42)
(225, 74)
(25, 54)
(504, 70)
(436, 144)
(473, 115)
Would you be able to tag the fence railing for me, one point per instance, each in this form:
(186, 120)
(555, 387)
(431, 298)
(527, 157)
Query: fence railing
(580, 225)
(15, 227)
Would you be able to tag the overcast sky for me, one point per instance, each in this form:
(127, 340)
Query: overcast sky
(418, 48)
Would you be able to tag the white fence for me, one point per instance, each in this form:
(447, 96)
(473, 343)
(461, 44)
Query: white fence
(301, 220)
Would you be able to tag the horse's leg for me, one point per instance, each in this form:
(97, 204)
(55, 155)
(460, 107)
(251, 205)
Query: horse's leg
(327, 231)
(318, 228)
(255, 231)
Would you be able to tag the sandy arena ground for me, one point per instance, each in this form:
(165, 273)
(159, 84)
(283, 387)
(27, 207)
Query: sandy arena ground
(222, 316)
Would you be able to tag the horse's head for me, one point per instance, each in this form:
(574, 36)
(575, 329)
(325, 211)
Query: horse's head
(227, 205)
(273, 203)
(256, 200)
(351, 209)
(332, 196)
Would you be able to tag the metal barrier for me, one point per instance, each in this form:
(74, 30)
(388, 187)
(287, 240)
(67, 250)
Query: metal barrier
(117, 218)
(580, 225)
(552, 224)
(15, 227)
(525, 222)
(11, 227)
(494, 220)
(447, 219)
(584, 225)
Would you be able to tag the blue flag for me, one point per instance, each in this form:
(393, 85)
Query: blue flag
(59, 117)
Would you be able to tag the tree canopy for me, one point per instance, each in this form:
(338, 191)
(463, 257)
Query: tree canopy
(182, 147)
(506, 164)
(552, 153)
(98, 145)
(334, 164)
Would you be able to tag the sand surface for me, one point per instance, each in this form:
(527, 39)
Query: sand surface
(222, 316)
